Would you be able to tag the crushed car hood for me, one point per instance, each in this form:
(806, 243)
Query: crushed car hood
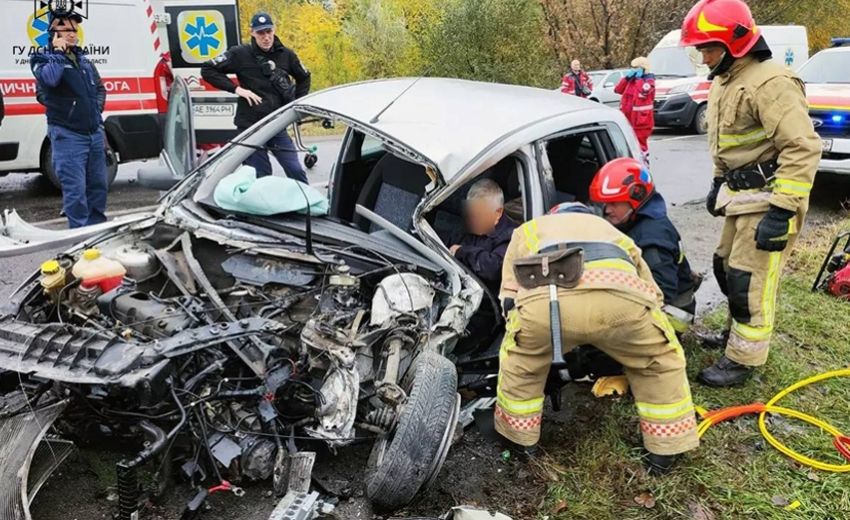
(18, 237)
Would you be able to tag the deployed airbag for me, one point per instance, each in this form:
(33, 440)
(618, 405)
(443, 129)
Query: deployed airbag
(242, 191)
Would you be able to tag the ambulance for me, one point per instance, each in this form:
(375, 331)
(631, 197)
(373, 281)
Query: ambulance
(681, 85)
(827, 77)
(138, 46)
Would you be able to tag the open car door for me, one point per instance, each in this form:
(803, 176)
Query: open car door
(18, 237)
(178, 141)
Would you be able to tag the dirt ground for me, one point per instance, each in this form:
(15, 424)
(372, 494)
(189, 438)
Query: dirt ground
(475, 473)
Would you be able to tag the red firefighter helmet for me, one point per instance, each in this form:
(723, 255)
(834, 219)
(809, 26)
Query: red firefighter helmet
(728, 22)
(622, 180)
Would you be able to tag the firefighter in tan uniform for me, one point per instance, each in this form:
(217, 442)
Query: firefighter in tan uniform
(765, 153)
(578, 262)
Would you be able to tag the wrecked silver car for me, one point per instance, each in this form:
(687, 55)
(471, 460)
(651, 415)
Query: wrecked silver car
(219, 342)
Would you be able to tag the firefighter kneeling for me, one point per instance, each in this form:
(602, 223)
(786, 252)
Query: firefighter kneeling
(578, 262)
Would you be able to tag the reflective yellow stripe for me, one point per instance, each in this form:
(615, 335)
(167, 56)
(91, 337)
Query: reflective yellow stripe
(665, 411)
(519, 407)
(613, 263)
(669, 332)
(531, 240)
(792, 187)
(768, 304)
(509, 340)
(626, 244)
(731, 140)
(751, 333)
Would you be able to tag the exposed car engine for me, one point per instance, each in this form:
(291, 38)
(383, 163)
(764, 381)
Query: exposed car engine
(212, 361)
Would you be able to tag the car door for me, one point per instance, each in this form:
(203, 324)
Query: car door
(568, 160)
(178, 136)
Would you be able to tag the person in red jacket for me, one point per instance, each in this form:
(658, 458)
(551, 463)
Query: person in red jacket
(638, 90)
(576, 82)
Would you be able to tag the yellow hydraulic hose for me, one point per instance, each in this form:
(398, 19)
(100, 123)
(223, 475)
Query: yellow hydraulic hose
(842, 443)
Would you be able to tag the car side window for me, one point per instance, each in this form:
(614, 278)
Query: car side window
(573, 161)
(370, 145)
(614, 78)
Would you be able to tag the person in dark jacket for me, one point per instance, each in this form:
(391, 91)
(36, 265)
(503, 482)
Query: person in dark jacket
(263, 68)
(74, 96)
(626, 189)
(482, 246)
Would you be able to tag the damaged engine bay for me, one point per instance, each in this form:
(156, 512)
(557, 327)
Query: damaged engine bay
(213, 361)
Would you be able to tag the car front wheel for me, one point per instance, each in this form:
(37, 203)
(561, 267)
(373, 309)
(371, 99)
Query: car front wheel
(407, 460)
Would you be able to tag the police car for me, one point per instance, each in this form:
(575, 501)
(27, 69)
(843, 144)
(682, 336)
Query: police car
(137, 46)
(827, 77)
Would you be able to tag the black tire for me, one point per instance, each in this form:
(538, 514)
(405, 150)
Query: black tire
(50, 173)
(310, 160)
(417, 448)
(699, 125)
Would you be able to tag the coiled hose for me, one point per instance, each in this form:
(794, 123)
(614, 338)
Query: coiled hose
(841, 441)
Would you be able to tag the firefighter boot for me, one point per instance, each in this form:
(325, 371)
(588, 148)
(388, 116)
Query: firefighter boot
(713, 340)
(523, 453)
(657, 465)
(725, 373)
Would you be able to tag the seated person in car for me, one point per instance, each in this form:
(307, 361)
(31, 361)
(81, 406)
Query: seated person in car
(482, 245)
(631, 203)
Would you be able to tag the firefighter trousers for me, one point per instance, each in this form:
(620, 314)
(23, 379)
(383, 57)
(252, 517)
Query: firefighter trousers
(749, 278)
(638, 337)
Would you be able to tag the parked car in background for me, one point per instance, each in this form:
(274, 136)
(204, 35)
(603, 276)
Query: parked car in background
(604, 82)
(827, 77)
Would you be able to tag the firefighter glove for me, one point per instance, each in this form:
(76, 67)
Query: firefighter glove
(711, 199)
(773, 230)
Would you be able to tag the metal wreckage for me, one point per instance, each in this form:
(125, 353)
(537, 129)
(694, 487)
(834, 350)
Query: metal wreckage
(217, 347)
(216, 352)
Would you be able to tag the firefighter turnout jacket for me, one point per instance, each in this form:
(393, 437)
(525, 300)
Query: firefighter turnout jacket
(758, 112)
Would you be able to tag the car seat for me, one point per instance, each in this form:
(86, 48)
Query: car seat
(393, 190)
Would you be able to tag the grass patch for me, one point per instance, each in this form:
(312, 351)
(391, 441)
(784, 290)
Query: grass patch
(317, 130)
(735, 474)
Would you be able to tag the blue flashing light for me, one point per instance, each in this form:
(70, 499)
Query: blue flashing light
(837, 118)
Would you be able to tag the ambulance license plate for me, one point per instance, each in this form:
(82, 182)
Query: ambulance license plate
(214, 109)
(826, 144)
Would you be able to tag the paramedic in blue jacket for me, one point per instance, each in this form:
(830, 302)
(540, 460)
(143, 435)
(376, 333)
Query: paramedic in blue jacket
(482, 245)
(626, 189)
(74, 95)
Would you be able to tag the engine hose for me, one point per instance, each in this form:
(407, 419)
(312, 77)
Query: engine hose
(841, 442)
(159, 440)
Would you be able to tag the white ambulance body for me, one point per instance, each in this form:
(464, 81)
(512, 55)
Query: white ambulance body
(129, 42)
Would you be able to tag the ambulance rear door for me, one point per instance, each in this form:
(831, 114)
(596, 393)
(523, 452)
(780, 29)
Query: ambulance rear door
(196, 31)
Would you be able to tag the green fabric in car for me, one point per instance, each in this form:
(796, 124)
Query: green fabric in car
(242, 191)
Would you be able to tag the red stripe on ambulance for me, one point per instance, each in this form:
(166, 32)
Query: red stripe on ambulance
(118, 105)
(19, 88)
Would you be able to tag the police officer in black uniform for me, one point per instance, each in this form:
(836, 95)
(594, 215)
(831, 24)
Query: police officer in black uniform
(264, 68)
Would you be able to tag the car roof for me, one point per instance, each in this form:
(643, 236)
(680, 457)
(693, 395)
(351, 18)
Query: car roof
(450, 122)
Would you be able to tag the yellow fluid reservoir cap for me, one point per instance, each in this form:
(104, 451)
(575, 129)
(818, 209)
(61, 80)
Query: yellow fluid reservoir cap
(50, 267)
(91, 254)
